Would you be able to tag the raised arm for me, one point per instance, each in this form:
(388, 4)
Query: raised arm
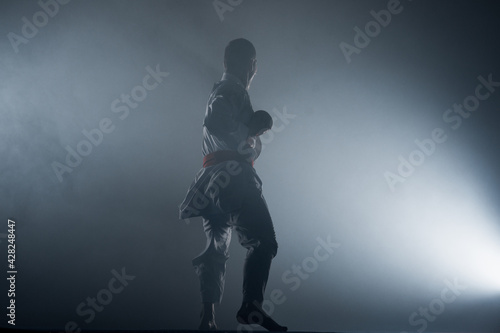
(225, 117)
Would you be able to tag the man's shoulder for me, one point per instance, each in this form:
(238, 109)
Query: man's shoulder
(229, 87)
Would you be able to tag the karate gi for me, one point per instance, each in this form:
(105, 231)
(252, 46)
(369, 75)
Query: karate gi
(228, 195)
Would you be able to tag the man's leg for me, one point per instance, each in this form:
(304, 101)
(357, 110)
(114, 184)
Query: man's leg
(210, 266)
(255, 231)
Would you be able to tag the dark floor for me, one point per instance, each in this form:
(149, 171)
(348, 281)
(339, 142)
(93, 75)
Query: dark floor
(2, 330)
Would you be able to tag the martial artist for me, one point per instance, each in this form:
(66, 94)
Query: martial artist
(227, 192)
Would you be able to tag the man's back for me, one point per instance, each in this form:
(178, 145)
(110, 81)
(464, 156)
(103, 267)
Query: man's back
(228, 111)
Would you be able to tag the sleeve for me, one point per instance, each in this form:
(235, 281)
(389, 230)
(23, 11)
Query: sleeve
(223, 117)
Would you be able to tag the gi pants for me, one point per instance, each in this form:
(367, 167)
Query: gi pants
(255, 230)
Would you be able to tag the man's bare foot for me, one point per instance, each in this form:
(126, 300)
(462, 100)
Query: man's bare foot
(252, 313)
(207, 317)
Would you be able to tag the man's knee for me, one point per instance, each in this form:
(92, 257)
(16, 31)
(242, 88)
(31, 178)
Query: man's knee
(210, 259)
(268, 248)
(274, 249)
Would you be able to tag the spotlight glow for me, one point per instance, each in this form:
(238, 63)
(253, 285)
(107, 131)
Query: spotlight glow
(460, 235)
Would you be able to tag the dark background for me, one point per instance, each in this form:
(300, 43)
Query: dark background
(323, 171)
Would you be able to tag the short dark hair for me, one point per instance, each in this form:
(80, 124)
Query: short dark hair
(238, 53)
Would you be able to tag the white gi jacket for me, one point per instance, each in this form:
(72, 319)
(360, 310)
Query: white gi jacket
(220, 188)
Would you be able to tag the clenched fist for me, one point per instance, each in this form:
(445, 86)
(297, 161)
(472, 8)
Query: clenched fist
(260, 122)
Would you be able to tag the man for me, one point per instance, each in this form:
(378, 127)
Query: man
(227, 193)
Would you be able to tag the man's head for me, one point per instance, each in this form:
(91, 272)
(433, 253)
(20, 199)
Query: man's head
(240, 60)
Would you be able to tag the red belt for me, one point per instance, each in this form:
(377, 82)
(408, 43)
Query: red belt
(224, 155)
